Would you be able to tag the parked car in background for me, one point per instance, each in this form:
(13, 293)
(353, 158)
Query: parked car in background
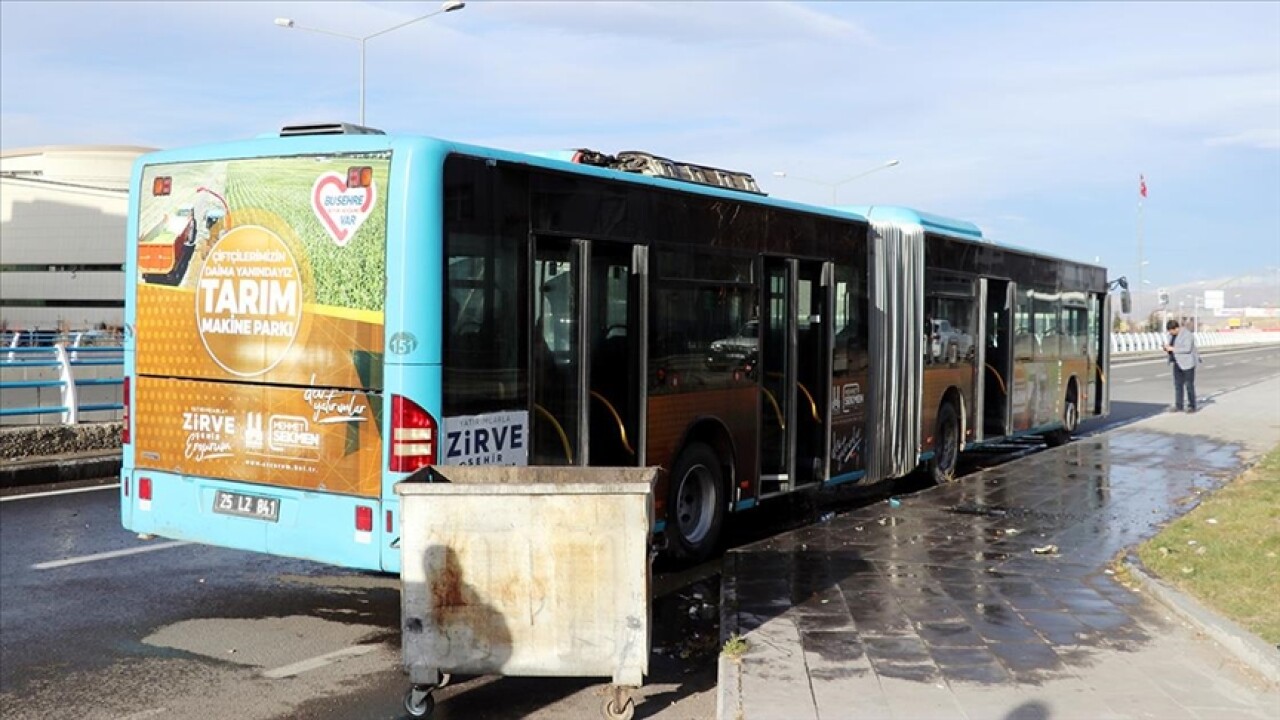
(738, 351)
(948, 344)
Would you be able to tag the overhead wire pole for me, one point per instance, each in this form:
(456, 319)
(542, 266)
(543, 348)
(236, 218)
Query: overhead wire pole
(835, 186)
(289, 24)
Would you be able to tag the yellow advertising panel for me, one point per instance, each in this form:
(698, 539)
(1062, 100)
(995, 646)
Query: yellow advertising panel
(264, 270)
(310, 438)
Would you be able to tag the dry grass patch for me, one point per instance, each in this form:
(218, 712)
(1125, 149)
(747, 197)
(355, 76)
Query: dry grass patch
(1226, 552)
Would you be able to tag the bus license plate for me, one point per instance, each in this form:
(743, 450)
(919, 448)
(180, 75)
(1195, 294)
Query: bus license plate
(250, 506)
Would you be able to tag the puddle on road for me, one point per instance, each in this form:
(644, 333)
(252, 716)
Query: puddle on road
(686, 625)
(996, 578)
(264, 642)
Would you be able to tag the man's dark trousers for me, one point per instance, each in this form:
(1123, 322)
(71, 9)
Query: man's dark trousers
(1184, 378)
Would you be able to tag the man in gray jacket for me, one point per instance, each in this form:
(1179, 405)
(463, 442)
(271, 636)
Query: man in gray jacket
(1184, 357)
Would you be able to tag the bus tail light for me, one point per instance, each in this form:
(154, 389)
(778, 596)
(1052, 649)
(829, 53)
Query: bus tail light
(125, 396)
(144, 493)
(359, 177)
(364, 519)
(413, 436)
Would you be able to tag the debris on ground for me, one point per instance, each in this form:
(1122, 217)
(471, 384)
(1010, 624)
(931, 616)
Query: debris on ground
(1045, 550)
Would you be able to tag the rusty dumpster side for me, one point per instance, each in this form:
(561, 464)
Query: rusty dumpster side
(527, 571)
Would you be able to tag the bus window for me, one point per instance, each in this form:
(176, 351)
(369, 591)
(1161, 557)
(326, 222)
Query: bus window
(1075, 326)
(484, 324)
(1024, 338)
(1046, 323)
(704, 333)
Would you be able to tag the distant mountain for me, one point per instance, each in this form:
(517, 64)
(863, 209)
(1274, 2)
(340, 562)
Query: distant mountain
(1259, 289)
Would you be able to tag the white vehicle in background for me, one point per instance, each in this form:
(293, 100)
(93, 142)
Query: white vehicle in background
(948, 344)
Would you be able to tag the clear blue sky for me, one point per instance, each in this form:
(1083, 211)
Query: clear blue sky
(1033, 120)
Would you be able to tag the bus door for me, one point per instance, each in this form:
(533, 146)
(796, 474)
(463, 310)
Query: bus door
(615, 333)
(997, 361)
(587, 352)
(1100, 337)
(794, 375)
(558, 390)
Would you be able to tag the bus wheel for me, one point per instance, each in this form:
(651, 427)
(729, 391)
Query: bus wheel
(695, 503)
(946, 445)
(1070, 420)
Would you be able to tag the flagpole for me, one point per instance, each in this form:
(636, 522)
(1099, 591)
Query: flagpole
(1142, 191)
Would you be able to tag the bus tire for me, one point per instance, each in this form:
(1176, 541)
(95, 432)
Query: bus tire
(946, 445)
(695, 504)
(1070, 419)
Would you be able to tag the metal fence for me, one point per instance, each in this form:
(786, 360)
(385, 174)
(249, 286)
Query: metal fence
(1150, 342)
(60, 378)
(67, 378)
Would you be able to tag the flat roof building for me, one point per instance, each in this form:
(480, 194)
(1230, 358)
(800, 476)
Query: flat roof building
(63, 211)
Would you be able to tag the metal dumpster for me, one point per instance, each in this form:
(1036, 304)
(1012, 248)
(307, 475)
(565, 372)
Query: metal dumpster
(526, 571)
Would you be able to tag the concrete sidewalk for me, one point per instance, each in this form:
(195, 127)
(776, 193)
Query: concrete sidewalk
(989, 598)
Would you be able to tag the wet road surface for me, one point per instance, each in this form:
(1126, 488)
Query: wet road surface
(189, 631)
(983, 580)
(967, 599)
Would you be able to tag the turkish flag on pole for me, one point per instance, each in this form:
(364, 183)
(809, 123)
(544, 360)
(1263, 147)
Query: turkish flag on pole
(1142, 185)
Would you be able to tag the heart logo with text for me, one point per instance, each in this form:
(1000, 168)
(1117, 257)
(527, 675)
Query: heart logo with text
(341, 209)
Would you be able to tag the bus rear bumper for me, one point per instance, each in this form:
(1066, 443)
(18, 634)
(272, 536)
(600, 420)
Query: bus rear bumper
(310, 525)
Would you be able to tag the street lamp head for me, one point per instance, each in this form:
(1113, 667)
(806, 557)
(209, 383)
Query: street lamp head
(284, 22)
(452, 5)
(891, 163)
(780, 173)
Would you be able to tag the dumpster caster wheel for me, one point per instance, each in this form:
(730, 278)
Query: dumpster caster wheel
(619, 708)
(419, 703)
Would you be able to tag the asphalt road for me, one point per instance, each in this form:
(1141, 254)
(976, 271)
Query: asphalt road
(96, 623)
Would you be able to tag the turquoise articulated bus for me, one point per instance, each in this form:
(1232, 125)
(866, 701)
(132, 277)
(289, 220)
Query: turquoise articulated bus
(319, 313)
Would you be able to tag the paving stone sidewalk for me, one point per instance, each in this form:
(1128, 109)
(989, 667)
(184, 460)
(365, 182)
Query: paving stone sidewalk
(989, 598)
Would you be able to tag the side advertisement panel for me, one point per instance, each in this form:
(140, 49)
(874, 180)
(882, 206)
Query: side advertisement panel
(312, 438)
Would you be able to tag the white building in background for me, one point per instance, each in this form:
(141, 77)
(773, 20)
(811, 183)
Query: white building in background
(62, 235)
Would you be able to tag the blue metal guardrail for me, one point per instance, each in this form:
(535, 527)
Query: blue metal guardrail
(31, 350)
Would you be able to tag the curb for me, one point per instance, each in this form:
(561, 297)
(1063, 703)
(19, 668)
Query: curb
(59, 469)
(729, 689)
(1240, 643)
(728, 671)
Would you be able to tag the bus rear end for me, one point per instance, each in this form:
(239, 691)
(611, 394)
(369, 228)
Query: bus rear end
(254, 395)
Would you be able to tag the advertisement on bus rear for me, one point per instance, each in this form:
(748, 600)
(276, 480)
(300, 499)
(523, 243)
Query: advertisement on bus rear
(253, 274)
(303, 438)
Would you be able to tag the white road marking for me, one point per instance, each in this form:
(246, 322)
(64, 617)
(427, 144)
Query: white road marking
(1162, 375)
(1136, 380)
(146, 714)
(317, 662)
(107, 555)
(72, 491)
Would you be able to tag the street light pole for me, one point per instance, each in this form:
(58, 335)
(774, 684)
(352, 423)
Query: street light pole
(835, 186)
(289, 24)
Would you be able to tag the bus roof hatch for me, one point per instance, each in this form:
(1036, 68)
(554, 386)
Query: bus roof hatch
(328, 129)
